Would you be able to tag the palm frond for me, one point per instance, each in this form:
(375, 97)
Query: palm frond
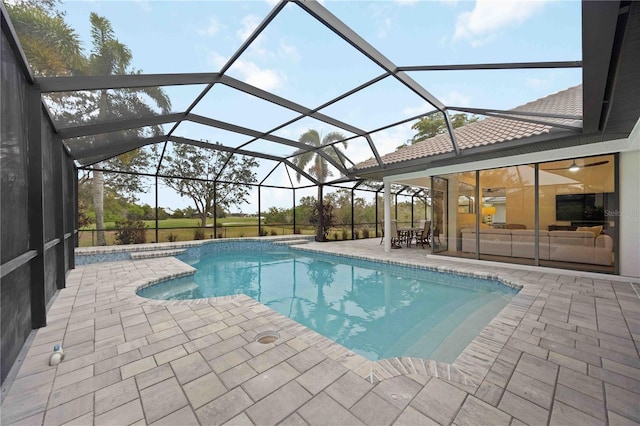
(310, 137)
(334, 137)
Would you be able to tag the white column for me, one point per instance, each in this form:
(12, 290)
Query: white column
(387, 216)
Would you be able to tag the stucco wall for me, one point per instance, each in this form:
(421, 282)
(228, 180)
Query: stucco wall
(629, 213)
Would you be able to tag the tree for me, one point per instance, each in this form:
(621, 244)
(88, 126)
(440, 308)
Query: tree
(277, 215)
(215, 175)
(304, 208)
(51, 46)
(109, 57)
(323, 218)
(319, 165)
(53, 49)
(435, 124)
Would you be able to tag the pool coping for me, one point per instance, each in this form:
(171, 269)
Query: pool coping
(467, 371)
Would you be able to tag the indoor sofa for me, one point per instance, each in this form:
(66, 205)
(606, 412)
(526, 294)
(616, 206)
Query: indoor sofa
(564, 246)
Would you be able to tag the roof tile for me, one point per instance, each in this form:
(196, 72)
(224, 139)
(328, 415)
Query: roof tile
(494, 130)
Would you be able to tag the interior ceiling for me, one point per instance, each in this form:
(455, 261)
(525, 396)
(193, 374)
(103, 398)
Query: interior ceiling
(605, 62)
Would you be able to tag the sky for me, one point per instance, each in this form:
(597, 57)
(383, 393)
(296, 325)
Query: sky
(299, 59)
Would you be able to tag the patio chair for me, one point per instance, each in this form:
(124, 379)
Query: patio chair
(395, 235)
(423, 236)
(436, 235)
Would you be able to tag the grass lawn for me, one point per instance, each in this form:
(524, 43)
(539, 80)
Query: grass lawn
(185, 229)
(232, 227)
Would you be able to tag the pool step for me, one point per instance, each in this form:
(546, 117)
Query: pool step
(156, 253)
(292, 242)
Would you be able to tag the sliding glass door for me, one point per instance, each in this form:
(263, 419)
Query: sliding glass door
(440, 214)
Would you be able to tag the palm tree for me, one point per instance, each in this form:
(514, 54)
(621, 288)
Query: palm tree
(51, 46)
(318, 166)
(109, 57)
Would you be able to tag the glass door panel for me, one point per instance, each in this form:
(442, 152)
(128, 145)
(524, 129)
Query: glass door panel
(439, 215)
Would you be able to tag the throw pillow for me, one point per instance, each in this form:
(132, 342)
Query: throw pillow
(596, 230)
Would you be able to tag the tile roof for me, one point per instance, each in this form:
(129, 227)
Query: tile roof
(494, 130)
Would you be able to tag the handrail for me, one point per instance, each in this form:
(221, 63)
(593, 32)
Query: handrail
(17, 262)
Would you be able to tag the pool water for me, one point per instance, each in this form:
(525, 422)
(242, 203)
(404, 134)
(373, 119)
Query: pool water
(375, 309)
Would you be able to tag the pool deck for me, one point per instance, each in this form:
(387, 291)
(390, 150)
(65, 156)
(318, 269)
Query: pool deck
(563, 351)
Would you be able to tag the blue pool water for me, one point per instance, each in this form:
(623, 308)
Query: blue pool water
(375, 309)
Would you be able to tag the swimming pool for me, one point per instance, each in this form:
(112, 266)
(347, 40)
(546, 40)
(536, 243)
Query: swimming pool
(377, 310)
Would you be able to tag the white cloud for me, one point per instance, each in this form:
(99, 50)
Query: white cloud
(248, 26)
(381, 18)
(535, 82)
(407, 2)
(217, 60)
(272, 2)
(249, 23)
(288, 51)
(212, 29)
(266, 79)
(488, 18)
(456, 99)
(144, 5)
(420, 109)
(388, 140)
(384, 28)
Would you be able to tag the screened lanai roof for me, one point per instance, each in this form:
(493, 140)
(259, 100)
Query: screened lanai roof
(372, 99)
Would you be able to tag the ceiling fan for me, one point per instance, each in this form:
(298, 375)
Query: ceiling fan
(574, 167)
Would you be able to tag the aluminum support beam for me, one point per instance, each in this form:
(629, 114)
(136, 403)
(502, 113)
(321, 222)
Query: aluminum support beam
(217, 147)
(245, 45)
(601, 18)
(285, 103)
(483, 111)
(452, 134)
(35, 200)
(128, 81)
(531, 120)
(494, 66)
(249, 132)
(318, 11)
(117, 125)
(114, 147)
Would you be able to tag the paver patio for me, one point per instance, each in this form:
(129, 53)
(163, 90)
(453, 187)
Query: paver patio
(564, 351)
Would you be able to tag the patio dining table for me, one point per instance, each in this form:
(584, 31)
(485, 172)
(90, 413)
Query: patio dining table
(410, 232)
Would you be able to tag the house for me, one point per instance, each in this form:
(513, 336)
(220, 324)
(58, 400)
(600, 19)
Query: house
(563, 192)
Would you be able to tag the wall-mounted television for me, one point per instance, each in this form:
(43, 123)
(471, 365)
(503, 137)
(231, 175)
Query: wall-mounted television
(582, 207)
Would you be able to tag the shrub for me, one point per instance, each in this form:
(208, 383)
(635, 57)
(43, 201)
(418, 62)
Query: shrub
(328, 218)
(172, 237)
(345, 234)
(356, 234)
(274, 232)
(296, 230)
(131, 232)
(263, 232)
(198, 234)
(335, 235)
(365, 233)
(220, 235)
